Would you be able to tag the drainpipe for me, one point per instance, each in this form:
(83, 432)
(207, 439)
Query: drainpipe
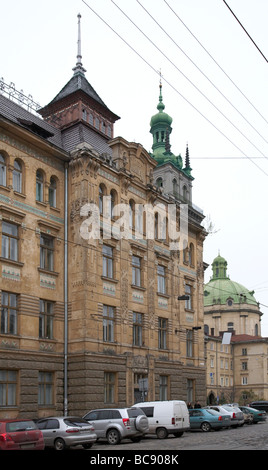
(65, 374)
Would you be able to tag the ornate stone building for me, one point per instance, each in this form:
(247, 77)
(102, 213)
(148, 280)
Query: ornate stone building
(85, 318)
(236, 365)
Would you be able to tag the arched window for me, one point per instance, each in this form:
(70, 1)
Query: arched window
(159, 182)
(102, 192)
(17, 177)
(185, 193)
(156, 219)
(191, 255)
(174, 186)
(3, 171)
(39, 186)
(113, 201)
(256, 330)
(131, 214)
(52, 192)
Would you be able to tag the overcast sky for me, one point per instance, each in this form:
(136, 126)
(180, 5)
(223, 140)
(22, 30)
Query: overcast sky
(214, 87)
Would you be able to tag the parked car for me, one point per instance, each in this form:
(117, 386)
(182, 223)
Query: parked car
(256, 414)
(237, 416)
(207, 419)
(115, 424)
(260, 405)
(64, 432)
(248, 418)
(224, 412)
(20, 434)
(166, 417)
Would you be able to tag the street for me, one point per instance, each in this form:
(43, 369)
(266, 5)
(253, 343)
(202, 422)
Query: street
(247, 437)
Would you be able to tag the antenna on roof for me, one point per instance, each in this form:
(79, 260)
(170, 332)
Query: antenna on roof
(79, 67)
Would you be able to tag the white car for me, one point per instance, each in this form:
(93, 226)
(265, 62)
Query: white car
(225, 411)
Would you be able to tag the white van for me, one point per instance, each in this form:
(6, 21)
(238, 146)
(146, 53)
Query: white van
(166, 417)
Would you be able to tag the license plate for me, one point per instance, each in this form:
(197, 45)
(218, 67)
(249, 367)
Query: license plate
(27, 446)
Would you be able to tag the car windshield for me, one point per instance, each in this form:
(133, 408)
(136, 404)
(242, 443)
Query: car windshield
(75, 422)
(134, 412)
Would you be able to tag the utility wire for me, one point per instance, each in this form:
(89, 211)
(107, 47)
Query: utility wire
(245, 30)
(172, 86)
(180, 70)
(198, 68)
(218, 65)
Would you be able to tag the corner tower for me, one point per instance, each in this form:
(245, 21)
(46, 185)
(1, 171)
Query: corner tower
(79, 112)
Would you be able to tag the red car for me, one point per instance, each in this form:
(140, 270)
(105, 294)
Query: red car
(20, 434)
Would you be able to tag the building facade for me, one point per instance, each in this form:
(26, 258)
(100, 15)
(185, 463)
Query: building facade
(235, 350)
(85, 317)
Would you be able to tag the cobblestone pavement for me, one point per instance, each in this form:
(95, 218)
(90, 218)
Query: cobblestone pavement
(247, 437)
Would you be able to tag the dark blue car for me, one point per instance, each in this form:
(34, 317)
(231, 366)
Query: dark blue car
(206, 420)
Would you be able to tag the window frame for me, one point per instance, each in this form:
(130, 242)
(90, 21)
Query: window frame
(108, 261)
(46, 319)
(162, 332)
(47, 253)
(161, 280)
(9, 239)
(8, 388)
(137, 334)
(5, 319)
(108, 323)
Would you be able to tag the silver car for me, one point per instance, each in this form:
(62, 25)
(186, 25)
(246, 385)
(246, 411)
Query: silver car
(115, 424)
(236, 414)
(64, 432)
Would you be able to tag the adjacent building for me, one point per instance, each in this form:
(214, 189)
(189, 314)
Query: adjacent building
(95, 320)
(235, 350)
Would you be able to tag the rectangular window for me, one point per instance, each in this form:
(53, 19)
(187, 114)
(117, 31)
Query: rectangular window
(46, 252)
(189, 343)
(108, 323)
(162, 333)
(46, 319)
(163, 387)
(137, 329)
(109, 387)
(190, 390)
(9, 313)
(45, 388)
(10, 241)
(136, 271)
(107, 261)
(8, 388)
(188, 302)
(161, 279)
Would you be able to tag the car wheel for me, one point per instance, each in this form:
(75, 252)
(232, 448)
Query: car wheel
(59, 444)
(205, 427)
(161, 433)
(113, 437)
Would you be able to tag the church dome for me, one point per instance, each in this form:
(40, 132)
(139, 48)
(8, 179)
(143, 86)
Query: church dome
(221, 290)
(161, 119)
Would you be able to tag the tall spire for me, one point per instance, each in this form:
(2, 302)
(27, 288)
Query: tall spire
(79, 67)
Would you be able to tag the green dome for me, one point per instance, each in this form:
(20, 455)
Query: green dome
(218, 292)
(220, 289)
(161, 118)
